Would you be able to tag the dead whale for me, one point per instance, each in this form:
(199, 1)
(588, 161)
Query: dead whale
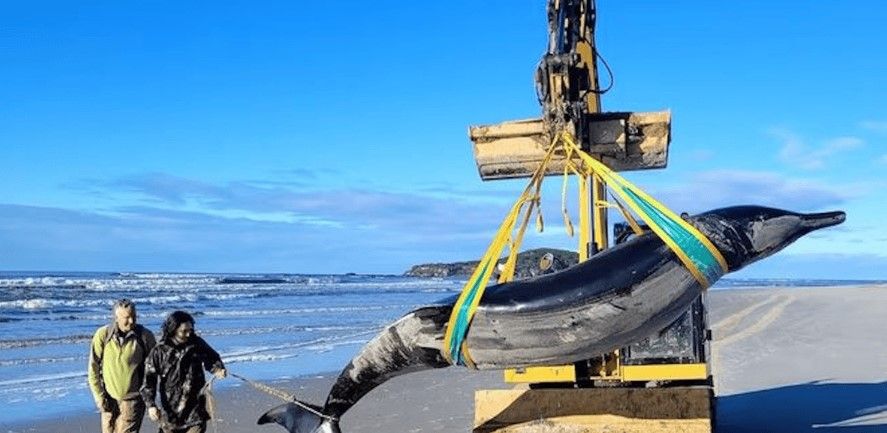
(619, 296)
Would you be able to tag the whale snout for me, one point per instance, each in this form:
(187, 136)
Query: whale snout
(814, 221)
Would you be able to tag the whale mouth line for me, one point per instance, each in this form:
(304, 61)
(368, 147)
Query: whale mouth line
(814, 221)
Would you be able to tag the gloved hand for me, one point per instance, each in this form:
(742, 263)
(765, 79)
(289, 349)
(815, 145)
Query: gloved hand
(220, 373)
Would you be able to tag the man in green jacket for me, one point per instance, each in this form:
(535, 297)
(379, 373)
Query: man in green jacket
(117, 367)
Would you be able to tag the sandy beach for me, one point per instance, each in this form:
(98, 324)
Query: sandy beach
(800, 360)
(784, 360)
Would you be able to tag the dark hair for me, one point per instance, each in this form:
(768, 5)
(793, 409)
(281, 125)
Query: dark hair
(172, 322)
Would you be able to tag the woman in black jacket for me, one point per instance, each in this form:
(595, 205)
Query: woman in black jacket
(174, 369)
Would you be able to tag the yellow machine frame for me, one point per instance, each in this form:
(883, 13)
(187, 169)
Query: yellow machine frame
(567, 84)
(609, 366)
(593, 223)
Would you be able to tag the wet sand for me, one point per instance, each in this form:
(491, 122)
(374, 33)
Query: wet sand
(437, 401)
(784, 360)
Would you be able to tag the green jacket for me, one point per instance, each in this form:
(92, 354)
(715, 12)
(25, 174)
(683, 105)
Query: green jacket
(117, 369)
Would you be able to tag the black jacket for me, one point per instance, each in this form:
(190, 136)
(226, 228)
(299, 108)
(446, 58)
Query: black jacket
(176, 372)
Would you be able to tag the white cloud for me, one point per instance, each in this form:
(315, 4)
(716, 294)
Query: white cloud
(808, 266)
(145, 238)
(792, 145)
(701, 155)
(838, 144)
(796, 152)
(874, 125)
(719, 188)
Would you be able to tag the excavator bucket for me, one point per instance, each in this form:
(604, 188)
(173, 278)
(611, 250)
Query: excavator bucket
(623, 141)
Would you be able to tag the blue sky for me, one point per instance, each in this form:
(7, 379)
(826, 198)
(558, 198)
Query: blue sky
(332, 136)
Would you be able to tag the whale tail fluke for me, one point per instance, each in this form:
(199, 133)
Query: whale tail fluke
(303, 418)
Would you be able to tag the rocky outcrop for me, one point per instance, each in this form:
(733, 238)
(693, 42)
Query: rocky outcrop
(527, 265)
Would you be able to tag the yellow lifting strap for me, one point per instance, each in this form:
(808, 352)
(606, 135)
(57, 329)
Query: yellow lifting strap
(466, 304)
(635, 227)
(694, 250)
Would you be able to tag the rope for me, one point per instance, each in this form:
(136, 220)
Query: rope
(694, 250)
(635, 227)
(466, 305)
(568, 224)
(207, 392)
(283, 395)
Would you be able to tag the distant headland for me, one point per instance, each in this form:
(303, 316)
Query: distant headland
(527, 265)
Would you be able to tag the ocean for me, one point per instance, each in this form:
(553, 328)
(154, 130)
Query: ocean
(266, 327)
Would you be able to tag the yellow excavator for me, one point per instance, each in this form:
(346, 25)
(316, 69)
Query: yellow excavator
(663, 383)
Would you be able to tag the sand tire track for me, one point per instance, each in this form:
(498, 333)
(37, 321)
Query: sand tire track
(726, 326)
(766, 320)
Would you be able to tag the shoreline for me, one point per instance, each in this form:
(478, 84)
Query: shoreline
(238, 407)
(817, 354)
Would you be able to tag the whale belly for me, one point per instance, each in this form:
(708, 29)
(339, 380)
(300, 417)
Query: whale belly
(566, 329)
